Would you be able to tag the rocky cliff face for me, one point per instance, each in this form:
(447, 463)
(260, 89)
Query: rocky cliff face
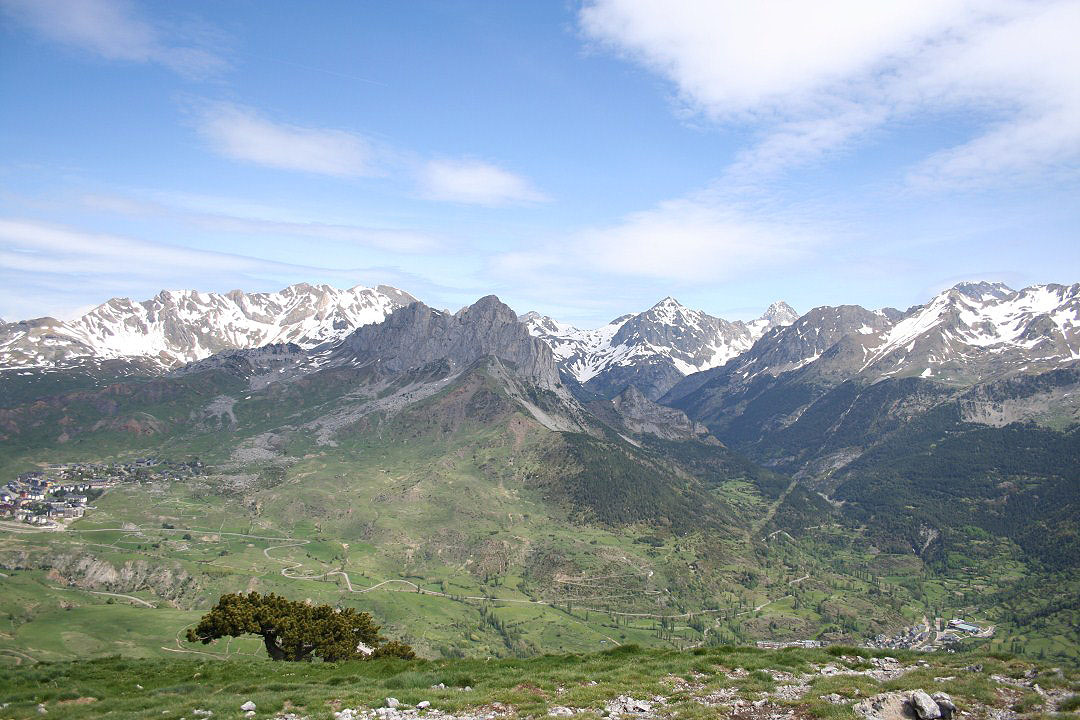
(417, 335)
(642, 416)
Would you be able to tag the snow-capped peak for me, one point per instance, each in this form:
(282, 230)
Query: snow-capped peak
(668, 333)
(983, 327)
(180, 326)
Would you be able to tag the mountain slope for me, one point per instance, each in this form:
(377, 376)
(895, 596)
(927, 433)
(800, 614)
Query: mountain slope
(968, 334)
(178, 327)
(651, 350)
(954, 418)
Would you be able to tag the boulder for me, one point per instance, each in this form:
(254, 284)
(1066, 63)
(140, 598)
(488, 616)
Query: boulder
(247, 706)
(924, 705)
(392, 702)
(945, 703)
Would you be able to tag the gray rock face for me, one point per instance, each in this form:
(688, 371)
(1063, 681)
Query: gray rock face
(640, 416)
(416, 335)
(848, 377)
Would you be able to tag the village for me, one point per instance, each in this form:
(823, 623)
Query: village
(940, 635)
(924, 636)
(60, 493)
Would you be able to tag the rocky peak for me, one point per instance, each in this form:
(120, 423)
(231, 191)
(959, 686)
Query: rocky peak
(780, 313)
(416, 335)
(984, 291)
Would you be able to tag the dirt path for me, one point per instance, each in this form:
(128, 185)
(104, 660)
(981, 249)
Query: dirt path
(132, 598)
(19, 656)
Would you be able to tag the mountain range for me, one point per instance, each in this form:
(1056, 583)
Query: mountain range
(181, 326)
(654, 349)
(479, 446)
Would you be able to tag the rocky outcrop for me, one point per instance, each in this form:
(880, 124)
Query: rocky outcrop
(417, 335)
(907, 705)
(642, 416)
(90, 572)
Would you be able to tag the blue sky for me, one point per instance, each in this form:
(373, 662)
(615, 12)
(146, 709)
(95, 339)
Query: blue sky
(583, 159)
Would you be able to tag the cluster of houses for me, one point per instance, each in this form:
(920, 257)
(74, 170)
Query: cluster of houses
(925, 637)
(61, 492)
(915, 637)
(781, 644)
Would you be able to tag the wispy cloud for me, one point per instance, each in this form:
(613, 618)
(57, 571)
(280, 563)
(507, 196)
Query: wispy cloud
(114, 30)
(244, 217)
(69, 265)
(691, 240)
(475, 182)
(685, 243)
(814, 77)
(243, 134)
(32, 246)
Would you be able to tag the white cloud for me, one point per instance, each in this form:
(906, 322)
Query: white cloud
(685, 242)
(812, 77)
(113, 30)
(240, 133)
(691, 241)
(474, 182)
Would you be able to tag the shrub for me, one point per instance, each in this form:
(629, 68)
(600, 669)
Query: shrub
(293, 630)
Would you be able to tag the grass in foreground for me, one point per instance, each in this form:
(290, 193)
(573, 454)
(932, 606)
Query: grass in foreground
(126, 688)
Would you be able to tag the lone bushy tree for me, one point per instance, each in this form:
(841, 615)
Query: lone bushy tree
(293, 630)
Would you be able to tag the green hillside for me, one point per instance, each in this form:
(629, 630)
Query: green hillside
(462, 522)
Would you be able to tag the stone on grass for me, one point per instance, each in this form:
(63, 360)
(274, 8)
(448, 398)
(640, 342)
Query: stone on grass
(886, 706)
(247, 706)
(423, 705)
(924, 705)
(392, 702)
